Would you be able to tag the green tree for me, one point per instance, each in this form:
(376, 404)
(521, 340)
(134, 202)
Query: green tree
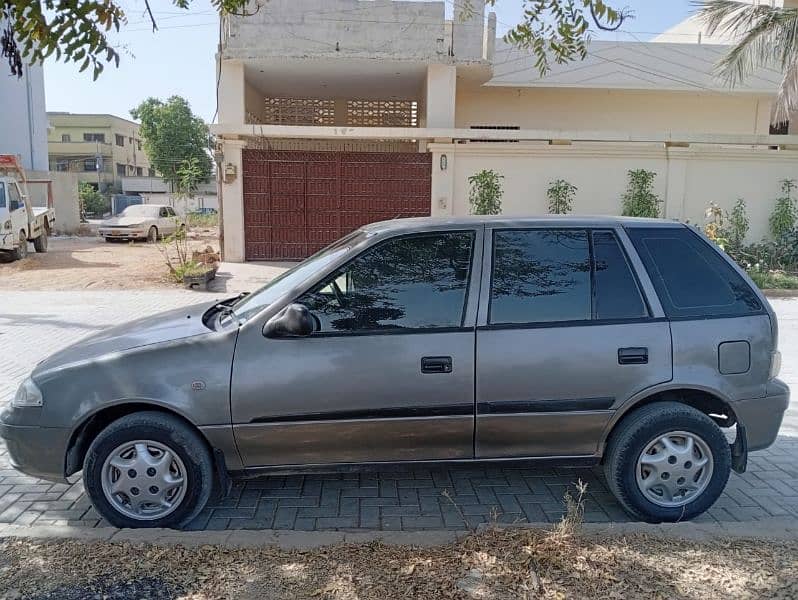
(561, 195)
(639, 200)
(766, 37)
(782, 219)
(485, 194)
(77, 30)
(173, 136)
(91, 200)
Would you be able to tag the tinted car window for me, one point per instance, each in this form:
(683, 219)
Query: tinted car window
(414, 282)
(2, 195)
(617, 295)
(540, 276)
(691, 278)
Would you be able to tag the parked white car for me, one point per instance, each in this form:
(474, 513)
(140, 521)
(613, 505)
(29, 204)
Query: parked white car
(142, 221)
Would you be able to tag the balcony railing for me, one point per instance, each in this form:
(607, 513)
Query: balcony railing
(325, 112)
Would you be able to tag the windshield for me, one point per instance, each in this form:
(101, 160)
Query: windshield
(255, 302)
(141, 210)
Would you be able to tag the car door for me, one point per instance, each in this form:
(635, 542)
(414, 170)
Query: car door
(566, 335)
(389, 373)
(166, 225)
(16, 209)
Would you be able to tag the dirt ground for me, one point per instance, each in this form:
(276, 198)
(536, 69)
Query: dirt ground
(494, 564)
(78, 263)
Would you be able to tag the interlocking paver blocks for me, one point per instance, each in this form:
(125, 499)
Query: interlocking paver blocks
(393, 499)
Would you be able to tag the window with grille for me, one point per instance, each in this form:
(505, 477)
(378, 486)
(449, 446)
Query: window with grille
(120, 140)
(382, 113)
(782, 128)
(94, 137)
(298, 111)
(495, 128)
(65, 137)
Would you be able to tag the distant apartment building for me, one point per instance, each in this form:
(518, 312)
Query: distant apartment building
(101, 149)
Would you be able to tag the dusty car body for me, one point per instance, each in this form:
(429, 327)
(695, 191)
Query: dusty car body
(141, 222)
(551, 340)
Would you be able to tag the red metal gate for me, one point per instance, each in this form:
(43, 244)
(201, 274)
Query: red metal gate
(295, 203)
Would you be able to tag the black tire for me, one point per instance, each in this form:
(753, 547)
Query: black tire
(40, 243)
(165, 429)
(635, 432)
(152, 235)
(21, 251)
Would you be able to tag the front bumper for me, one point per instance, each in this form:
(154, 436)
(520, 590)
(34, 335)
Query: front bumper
(122, 234)
(762, 417)
(8, 242)
(36, 451)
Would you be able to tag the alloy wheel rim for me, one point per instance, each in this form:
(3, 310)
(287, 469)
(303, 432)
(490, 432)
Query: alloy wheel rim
(144, 480)
(674, 469)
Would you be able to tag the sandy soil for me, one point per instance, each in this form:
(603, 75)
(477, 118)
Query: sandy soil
(78, 263)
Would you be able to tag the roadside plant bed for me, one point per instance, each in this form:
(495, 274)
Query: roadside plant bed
(774, 280)
(497, 563)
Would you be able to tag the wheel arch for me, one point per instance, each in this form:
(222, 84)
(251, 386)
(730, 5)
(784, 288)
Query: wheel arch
(706, 400)
(92, 424)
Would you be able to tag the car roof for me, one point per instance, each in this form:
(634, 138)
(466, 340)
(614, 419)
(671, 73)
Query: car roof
(434, 223)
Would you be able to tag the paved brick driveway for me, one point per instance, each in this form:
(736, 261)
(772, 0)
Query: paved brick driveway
(406, 499)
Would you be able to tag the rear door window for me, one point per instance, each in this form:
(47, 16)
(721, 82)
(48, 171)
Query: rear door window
(540, 276)
(617, 293)
(691, 278)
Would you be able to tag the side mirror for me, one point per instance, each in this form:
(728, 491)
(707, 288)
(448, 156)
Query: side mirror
(294, 320)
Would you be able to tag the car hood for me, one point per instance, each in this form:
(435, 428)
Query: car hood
(169, 326)
(123, 221)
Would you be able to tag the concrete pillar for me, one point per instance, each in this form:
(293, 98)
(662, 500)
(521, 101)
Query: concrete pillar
(675, 183)
(442, 183)
(232, 93)
(233, 200)
(440, 94)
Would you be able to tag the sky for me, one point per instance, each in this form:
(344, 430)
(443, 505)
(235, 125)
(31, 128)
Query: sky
(180, 57)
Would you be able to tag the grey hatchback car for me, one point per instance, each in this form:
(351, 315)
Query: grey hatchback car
(628, 343)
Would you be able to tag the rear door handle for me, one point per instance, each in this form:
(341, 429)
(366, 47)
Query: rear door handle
(436, 364)
(632, 356)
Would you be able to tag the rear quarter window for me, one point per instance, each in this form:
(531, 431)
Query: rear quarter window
(691, 278)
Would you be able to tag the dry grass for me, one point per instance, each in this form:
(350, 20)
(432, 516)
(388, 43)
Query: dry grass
(510, 563)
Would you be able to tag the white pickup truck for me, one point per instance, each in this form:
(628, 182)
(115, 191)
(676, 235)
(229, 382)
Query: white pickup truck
(20, 221)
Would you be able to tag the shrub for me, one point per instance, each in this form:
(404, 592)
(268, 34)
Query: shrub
(782, 220)
(561, 197)
(92, 201)
(485, 195)
(738, 225)
(640, 199)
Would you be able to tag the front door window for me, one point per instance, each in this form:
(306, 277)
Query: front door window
(408, 283)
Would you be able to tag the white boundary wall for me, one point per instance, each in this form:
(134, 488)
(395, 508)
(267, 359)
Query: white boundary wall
(688, 178)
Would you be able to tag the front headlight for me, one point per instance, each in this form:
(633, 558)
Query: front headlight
(7, 225)
(27, 395)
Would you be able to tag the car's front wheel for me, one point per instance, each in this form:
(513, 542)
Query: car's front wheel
(667, 462)
(152, 235)
(148, 469)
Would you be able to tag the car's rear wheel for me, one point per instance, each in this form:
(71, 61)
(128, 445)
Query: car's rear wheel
(667, 462)
(40, 243)
(152, 235)
(148, 469)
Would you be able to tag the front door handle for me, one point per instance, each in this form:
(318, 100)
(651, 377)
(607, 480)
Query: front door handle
(632, 356)
(436, 364)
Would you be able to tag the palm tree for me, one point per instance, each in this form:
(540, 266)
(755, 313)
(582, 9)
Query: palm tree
(765, 37)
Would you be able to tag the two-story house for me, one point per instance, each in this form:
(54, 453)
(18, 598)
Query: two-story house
(101, 149)
(336, 114)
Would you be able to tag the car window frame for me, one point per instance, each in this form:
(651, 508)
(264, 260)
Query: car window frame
(644, 287)
(470, 302)
(657, 281)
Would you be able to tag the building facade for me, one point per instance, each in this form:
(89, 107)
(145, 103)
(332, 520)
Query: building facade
(100, 149)
(23, 126)
(337, 113)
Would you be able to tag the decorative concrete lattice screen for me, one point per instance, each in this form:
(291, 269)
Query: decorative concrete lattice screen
(298, 111)
(382, 113)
